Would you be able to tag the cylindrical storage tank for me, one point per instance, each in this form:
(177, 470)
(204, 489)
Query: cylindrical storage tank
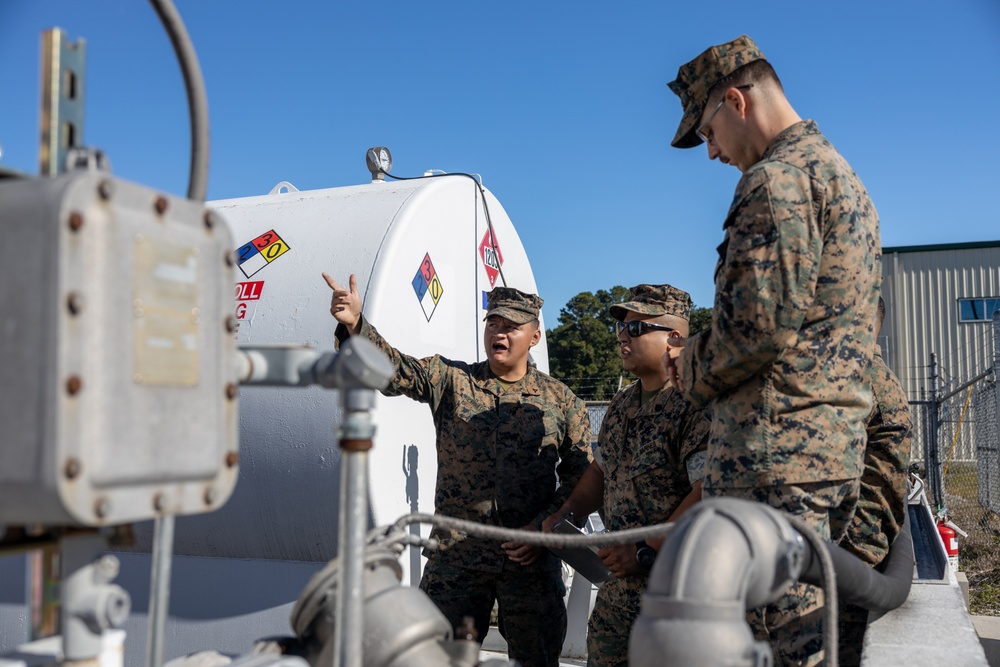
(423, 258)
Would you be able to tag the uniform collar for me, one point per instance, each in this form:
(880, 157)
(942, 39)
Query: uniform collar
(527, 386)
(793, 132)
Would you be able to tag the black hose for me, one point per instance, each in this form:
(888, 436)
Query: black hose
(862, 585)
(197, 100)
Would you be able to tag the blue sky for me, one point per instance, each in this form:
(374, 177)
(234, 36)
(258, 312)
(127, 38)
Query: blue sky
(561, 106)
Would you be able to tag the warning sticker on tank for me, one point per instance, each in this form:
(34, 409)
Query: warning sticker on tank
(255, 255)
(489, 252)
(247, 294)
(427, 286)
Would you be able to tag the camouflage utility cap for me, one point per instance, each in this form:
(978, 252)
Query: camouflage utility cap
(696, 78)
(654, 300)
(514, 305)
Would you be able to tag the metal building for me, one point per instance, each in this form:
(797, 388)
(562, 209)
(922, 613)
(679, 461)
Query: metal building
(940, 299)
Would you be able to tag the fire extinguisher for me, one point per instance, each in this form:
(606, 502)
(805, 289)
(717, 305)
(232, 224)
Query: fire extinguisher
(950, 539)
(949, 535)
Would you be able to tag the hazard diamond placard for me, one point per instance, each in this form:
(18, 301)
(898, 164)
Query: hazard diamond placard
(489, 252)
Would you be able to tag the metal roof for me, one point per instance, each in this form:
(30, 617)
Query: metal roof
(887, 250)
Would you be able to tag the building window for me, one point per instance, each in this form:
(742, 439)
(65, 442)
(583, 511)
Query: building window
(977, 310)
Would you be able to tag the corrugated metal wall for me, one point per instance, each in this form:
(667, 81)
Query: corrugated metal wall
(921, 290)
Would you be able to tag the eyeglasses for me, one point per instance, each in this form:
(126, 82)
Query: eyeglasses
(700, 131)
(637, 328)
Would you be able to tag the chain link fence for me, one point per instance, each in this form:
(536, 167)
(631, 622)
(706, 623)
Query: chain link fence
(968, 467)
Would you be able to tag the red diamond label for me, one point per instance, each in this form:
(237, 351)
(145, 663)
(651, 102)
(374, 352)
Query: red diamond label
(489, 252)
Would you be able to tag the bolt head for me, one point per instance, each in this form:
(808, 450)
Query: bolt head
(72, 467)
(75, 221)
(74, 303)
(105, 189)
(102, 507)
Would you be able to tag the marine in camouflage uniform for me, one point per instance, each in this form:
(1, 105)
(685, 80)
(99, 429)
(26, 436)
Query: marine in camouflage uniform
(502, 446)
(792, 332)
(649, 462)
(881, 508)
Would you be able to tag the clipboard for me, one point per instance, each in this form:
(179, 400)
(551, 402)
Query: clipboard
(582, 559)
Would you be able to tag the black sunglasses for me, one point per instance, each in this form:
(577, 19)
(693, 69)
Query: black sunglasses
(637, 328)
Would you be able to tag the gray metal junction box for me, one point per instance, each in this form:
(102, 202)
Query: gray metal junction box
(118, 375)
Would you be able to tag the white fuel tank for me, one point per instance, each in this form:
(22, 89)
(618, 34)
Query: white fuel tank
(424, 263)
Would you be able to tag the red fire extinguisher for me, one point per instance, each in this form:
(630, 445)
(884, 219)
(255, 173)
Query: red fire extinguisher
(949, 535)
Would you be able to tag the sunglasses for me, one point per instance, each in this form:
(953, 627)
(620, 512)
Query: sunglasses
(637, 328)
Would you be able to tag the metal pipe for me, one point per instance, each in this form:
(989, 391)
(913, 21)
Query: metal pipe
(966, 385)
(159, 587)
(934, 473)
(354, 520)
(356, 433)
(91, 604)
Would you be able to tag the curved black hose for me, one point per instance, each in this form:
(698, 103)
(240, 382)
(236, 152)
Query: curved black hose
(194, 84)
(865, 586)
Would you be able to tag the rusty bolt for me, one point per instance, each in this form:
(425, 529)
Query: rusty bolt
(75, 221)
(73, 385)
(209, 219)
(74, 302)
(105, 188)
(229, 258)
(232, 458)
(159, 502)
(102, 507)
(231, 324)
(232, 391)
(161, 204)
(72, 468)
(209, 496)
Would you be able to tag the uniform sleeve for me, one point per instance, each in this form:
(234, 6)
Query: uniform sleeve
(419, 379)
(694, 442)
(765, 281)
(574, 455)
(887, 458)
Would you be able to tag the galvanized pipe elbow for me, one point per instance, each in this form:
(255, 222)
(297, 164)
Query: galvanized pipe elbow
(724, 557)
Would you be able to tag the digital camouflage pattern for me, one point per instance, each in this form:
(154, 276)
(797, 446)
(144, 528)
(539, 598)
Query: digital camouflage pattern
(786, 356)
(651, 455)
(695, 80)
(792, 332)
(500, 452)
(654, 300)
(882, 502)
(513, 304)
(523, 600)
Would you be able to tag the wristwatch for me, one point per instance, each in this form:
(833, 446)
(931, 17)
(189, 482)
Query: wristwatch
(645, 554)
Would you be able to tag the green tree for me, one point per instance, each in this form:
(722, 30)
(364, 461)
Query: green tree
(583, 350)
(701, 319)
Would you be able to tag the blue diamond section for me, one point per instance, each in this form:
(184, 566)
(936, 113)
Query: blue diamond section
(427, 286)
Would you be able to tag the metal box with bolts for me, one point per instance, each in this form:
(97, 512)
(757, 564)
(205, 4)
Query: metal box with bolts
(119, 380)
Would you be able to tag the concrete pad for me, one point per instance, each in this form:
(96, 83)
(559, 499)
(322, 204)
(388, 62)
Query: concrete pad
(988, 629)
